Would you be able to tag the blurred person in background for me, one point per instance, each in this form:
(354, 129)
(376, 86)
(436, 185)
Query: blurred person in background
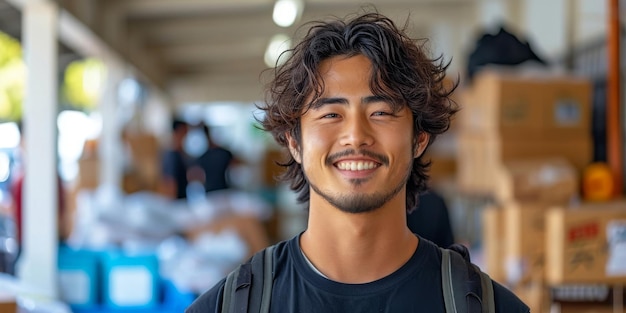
(174, 163)
(211, 167)
(356, 102)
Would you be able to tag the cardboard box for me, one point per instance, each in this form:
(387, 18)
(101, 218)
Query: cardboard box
(483, 157)
(578, 151)
(524, 233)
(535, 295)
(8, 303)
(493, 242)
(88, 173)
(496, 103)
(586, 244)
(545, 180)
(473, 173)
(141, 145)
(528, 106)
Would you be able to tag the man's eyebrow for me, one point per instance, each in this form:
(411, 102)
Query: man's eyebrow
(336, 100)
(374, 99)
(320, 102)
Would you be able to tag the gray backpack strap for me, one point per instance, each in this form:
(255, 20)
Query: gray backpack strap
(229, 290)
(446, 282)
(453, 295)
(248, 288)
(268, 279)
(488, 302)
(464, 287)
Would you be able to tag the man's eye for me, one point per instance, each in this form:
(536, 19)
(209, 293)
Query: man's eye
(331, 115)
(381, 113)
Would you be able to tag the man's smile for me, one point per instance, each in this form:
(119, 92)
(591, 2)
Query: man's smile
(356, 165)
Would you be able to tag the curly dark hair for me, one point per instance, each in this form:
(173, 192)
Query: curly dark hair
(402, 72)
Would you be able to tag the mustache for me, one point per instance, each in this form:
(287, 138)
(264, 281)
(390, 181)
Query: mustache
(351, 152)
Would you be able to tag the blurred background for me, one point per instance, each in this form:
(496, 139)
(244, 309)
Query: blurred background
(134, 175)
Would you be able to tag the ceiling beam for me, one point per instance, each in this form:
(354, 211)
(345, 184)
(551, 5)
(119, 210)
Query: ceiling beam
(168, 8)
(205, 52)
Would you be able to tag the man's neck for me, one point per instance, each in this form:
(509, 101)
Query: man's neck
(358, 248)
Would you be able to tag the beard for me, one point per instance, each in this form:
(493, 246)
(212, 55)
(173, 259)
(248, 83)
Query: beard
(359, 202)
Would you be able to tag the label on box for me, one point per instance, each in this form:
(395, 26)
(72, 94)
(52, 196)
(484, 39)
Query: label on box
(515, 269)
(616, 239)
(580, 293)
(583, 242)
(74, 287)
(567, 112)
(515, 111)
(130, 286)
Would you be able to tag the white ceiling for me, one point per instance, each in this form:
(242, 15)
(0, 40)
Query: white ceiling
(212, 50)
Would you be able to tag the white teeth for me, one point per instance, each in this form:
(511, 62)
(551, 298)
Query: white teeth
(356, 166)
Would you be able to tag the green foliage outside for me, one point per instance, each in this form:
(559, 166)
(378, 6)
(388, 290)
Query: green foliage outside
(82, 84)
(12, 79)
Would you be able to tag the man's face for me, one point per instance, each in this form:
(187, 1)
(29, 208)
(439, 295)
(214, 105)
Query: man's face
(356, 151)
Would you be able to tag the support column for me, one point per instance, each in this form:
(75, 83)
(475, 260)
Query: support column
(37, 267)
(615, 144)
(111, 149)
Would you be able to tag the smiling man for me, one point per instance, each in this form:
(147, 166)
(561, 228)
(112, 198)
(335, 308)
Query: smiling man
(356, 104)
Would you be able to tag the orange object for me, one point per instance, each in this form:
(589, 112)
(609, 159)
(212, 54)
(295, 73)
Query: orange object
(598, 183)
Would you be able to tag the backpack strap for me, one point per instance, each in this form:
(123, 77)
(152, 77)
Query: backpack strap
(264, 295)
(462, 282)
(249, 286)
(229, 290)
(489, 305)
(452, 284)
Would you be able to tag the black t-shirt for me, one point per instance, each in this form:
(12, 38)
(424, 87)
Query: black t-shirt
(415, 287)
(215, 162)
(431, 219)
(173, 166)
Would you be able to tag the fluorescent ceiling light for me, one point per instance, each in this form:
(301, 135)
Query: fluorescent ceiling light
(278, 44)
(286, 12)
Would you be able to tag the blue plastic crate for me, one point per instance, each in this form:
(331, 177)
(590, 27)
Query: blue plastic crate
(79, 277)
(104, 309)
(130, 281)
(175, 298)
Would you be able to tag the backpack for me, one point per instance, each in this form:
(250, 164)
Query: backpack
(466, 289)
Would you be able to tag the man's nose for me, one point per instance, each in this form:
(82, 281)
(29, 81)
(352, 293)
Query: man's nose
(357, 132)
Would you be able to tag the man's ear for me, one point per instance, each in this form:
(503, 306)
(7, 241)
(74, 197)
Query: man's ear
(294, 148)
(422, 142)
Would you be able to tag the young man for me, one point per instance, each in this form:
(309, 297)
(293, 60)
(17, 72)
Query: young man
(356, 104)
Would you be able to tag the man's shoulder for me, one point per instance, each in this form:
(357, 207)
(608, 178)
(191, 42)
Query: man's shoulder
(209, 301)
(507, 301)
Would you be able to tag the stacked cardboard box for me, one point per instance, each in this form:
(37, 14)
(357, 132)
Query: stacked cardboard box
(586, 244)
(533, 247)
(514, 227)
(524, 140)
(507, 117)
(144, 172)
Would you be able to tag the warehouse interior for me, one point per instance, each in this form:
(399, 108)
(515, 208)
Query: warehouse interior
(530, 172)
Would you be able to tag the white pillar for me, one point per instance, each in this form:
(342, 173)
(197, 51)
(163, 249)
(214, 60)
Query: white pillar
(38, 263)
(111, 150)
